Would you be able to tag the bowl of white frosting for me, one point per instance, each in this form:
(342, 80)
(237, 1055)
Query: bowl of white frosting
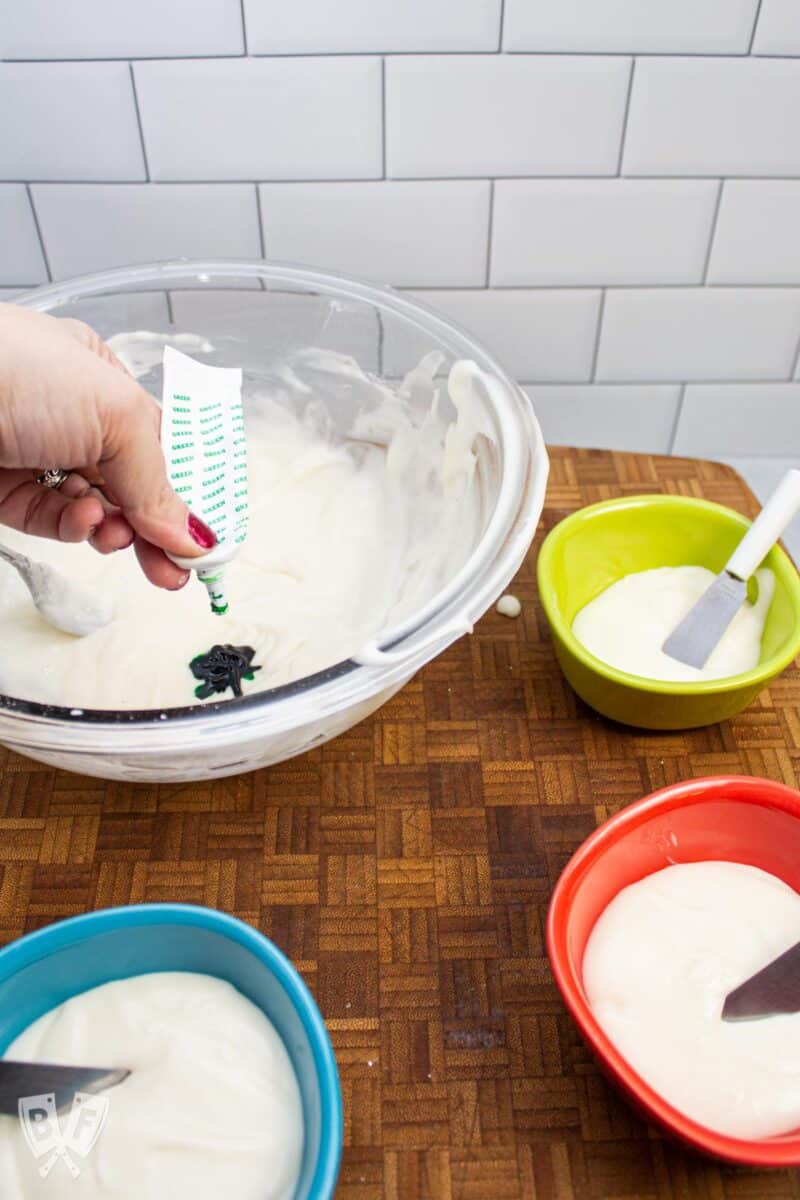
(397, 475)
(670, 905)
(233, 1088)
(616, 578)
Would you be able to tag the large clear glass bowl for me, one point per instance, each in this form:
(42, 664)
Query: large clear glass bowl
(257, 314)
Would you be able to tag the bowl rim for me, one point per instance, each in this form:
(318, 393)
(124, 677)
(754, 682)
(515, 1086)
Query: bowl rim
(783, 1150)
(445, 616)
(32, 947)
(779, 561)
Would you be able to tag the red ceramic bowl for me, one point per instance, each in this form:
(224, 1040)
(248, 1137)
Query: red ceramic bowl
(727, 817)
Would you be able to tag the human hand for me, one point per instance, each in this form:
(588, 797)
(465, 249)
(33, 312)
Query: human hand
(66, 400)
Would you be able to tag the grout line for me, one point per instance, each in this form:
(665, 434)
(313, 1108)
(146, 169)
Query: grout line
(473, 178)
(678, 415)
(624, 133)
(755, 27)
(712, 232)
(420, 53)
(139, 122)
(489, 234)
(577, 288)
(383, 118)
(381, 337)
(795, 364)
(624, 383)
(596, 351)
(39, 233)
(231, 56)
(611, 287)
(261, 236)
(763, 456)
(502, 26)
(244, 28)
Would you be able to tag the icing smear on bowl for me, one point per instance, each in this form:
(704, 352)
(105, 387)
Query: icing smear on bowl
(365, 499)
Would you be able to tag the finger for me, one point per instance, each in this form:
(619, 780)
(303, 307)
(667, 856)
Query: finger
(133, 465)
(158, 568)
(91, 475)
(77, 484)
(114, 532)
(44, 512)
(91, 339)
(79, 520)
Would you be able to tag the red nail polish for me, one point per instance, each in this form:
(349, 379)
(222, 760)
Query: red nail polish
(201, 533)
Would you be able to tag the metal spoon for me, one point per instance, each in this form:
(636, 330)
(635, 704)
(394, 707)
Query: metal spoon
(64, 604)
(29, 1081)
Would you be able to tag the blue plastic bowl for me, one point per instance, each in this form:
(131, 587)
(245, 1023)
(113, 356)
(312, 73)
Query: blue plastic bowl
(45, 968)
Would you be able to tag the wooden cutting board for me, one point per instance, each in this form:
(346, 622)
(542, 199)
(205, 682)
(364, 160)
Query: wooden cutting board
(406, 869)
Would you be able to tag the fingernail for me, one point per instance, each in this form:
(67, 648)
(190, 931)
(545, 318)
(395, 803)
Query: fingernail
(200, 532)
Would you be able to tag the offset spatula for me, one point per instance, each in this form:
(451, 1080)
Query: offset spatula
(20, 1080)
(701, 629)
(772, 991)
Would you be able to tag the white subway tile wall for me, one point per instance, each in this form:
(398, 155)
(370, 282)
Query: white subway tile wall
(778, 30)
(536, 335)
(20, 248)
(607, 416)
(490, 114)
(41, 29)
(404, 233)
(639, 26)
(87, 227)
(69, 121)
(699, 333)
(606, 193)
(713, 116)
(261, 118)
(731, 419)
(371, 26)
(758, 232)
(605, 231)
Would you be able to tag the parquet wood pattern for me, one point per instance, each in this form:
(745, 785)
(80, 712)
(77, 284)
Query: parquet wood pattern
(406, 869)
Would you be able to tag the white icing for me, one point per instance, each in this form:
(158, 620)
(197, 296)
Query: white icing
(509, 606)
(66, 605)
(140, 351)
(348, 536)
(627, 624)
(211, 1108)
(657, 968)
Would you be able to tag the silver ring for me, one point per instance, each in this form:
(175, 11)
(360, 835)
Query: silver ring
(53, 477)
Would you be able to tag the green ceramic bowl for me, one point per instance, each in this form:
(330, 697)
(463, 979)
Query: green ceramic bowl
(597, 545)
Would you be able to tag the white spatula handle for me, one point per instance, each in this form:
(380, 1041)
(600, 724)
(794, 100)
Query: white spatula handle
(782, 506)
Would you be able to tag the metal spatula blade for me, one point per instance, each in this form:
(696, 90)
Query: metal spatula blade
(772, 991)
(701, 629)
(20, 1080)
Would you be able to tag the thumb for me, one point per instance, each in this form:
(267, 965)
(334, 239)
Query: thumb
(133, 466)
